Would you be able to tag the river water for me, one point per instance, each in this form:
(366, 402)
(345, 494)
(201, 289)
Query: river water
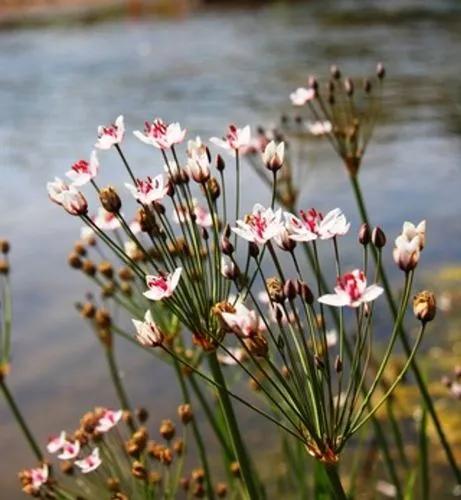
(57, 85)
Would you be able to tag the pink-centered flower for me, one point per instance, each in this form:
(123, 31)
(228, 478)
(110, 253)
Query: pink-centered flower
(108, 420)
(243, 322)
(69, 450)
(74, 202)
(261, 225)
(149, 190)
(38, 477)
(311, 225)
(56, 443)
(163, 286)
(106, 221)
(89, 463)
(301, 96)
(235, 139)
(351, 290)
(83, 171)
(111, 134)
(161, 135)
(202, 216)
(148, 333)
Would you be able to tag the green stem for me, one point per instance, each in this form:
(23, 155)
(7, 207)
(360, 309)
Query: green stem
(231, 420)
(20, 420)
(406, 345)
(335, 482)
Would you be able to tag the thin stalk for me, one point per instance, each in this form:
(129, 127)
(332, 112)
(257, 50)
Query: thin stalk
(335, 482)
(20, 420)
(406, 345)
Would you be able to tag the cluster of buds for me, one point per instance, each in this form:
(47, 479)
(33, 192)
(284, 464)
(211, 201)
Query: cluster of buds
(343, 111)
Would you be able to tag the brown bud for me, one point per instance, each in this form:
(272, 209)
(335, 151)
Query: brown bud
(74, 260)
(289, 289)
(335, 72)
(227, 248)
(305, 292)
(425, 306)
(142, 414)
(140, 437)
(105, 336)
(178, 447)
(105, 268)
(102, 318)
(198, 475)
(67, 467)
(275, 290)
(138, 470)
(4, 267)
(126, 274)
(378, 238)
(367, 86)
(167, 429)
(166, 457)
(184, 482)
(257, 345)
(110, 200)
(89, 268)
(198, 491)
(79, 248)
(253, 249)
(4, 246)
(312, 82)
(338, 365)
(221, 490)
(214, 188)
(132, 449)
(146, 221)
(364, 234)
(235, 469)
(113, 484)
(220, 164)
(155, 477)
(185, 413)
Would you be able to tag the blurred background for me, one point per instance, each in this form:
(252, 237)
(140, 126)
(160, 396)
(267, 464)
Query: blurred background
(69, 65)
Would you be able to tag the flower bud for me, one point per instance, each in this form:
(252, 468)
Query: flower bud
(285, 242)
(253, 249)
(214, 188)
(221, 490)
(227, 247)
(425, 306)
(4, 246)
(146, 221)
(289, 289)
(367, 86)
(378, 238)
(305, 292)
(185, 413)
(74, 260)
(167, 429)
(220, 164)
(106, 269)
(198, 475)
(110, 200)
(338, 365)
(313, 83)
(364, 234)
(257, 346)
(335, 72)
(349, 87)
(380, 71)
(138, 470)
(142, 414)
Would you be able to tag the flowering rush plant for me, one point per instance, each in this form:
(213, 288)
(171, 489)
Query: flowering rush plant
(238, 284)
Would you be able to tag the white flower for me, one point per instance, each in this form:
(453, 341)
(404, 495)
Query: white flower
(83, 171)
(351, 290)
(333, 224)
(161, 135)
(108, 420)
(198, 160)
(56, 189)
(260, 226)
(74, 202)
(56, 443)
(407, 252)
(243, 322)
(319, 127)
(311, 225)
(301, 96)
(89, 463)
(148, 191)
(410, 231)
(106, 221)
(148, 333)
(69, 450)
(162, 287)
(273, 155)
(111, 134)
(236, 138)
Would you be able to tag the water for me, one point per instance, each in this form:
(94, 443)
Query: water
(57, 85)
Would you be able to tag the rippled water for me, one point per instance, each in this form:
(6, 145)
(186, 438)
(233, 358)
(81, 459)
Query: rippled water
(57, 85)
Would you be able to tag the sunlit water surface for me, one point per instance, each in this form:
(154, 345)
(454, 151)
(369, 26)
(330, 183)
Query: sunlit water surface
(57, 85)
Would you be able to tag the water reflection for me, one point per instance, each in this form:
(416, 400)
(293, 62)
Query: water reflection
(57, 85)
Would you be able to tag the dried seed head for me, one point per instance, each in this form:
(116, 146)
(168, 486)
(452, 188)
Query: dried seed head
(4, 246)
(425, 306)
(140, 437)
(132, 449)
(88, 310)
(138, 470)
(146, 221)
(74, 260)
(221, 490)
(178, 447)
(275, 290)
(378, 238)
(102, 318)
(89, 268)
(108, 289)
(198, 475)
(79, 248)
(166, 457)
(105, 268)
(110, 200)
(126, 274)
(257, 346)
(167, 429)
(185, 413)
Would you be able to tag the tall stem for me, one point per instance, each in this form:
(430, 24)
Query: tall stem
(240, 450)
(335, 482)
(20, 420)
(403, 338)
